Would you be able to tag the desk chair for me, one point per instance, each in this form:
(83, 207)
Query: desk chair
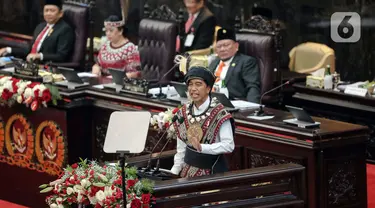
(309, 57)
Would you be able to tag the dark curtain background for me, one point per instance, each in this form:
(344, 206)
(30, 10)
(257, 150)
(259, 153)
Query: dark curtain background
(354, 61)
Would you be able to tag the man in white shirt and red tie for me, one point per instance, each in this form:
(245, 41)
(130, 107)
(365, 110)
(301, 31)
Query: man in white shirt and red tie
(53, 40)
(236, 72)
(199, 26)
(204, 129)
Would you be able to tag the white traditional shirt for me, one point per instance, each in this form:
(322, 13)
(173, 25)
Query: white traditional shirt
(224, 142)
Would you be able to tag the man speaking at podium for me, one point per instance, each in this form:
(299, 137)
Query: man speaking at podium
(204, 129)
(53, 40)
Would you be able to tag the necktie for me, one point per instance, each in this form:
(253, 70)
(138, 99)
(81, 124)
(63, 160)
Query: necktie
(189, 23)
(219, 70)
(34, 49)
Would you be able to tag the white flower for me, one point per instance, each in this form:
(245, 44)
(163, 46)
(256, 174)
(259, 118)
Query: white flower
(161, 114)
(155, 117)
(3, 80)
(85, 183)
(8, 85)
(53, 206)
(152, 121)
(1, 90)
(19, 99)
(61, 206)
(28, 93)
(108, 191)
(79, 197)
(56, 182)
(59, 200)
(69, 190)
(77, 188)
(92, 200)
(100, 196)
(102, 177)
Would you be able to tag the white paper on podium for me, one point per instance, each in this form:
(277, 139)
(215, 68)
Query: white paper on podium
(127, 131)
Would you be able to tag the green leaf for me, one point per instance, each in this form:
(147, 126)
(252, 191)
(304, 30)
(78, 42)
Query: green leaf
(54, 92)
(43, 186)
(98, 184)
(147, 185)
(69, 168)
(46, 190)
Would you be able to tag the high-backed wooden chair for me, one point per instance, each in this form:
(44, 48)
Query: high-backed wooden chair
(77, 16)
(265, 47)
(156, 44)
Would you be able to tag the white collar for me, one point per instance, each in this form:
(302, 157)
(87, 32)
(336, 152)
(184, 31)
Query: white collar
(195, 15)
(204, 106)
(228, 61)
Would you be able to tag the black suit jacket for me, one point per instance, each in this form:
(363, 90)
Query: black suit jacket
(203, 29)
(56, 47)
(242, 78)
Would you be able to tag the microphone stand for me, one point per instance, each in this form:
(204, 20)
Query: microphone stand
(261, 111)
(156, 171)
(149, 159)
(175, 118)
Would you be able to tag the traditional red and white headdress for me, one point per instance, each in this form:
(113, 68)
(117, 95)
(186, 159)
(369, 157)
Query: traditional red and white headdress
(124, 12)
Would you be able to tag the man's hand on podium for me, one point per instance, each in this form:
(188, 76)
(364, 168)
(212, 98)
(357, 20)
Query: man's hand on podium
(33, 56)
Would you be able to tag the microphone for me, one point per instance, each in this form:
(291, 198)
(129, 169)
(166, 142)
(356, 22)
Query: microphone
(161, 95)
(148, 168)
(180, 121)
(261, 112)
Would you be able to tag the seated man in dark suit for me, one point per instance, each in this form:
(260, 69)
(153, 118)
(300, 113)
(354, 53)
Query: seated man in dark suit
(236, 72)
(199, 27)
(53, 40)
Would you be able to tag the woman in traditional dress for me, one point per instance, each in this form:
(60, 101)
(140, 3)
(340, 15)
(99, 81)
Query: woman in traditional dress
(118, 52)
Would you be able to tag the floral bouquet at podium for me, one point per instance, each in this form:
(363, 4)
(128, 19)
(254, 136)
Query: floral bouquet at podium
(163, 122)
(88, 183)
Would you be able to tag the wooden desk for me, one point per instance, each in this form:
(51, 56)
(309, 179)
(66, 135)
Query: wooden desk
(334, 155)
(339, 106)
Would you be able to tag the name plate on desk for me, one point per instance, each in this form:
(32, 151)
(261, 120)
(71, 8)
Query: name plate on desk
(356, 91)
(28, 71)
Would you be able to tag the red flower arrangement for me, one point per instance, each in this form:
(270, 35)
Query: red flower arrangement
(32, 94)
(88, 183)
